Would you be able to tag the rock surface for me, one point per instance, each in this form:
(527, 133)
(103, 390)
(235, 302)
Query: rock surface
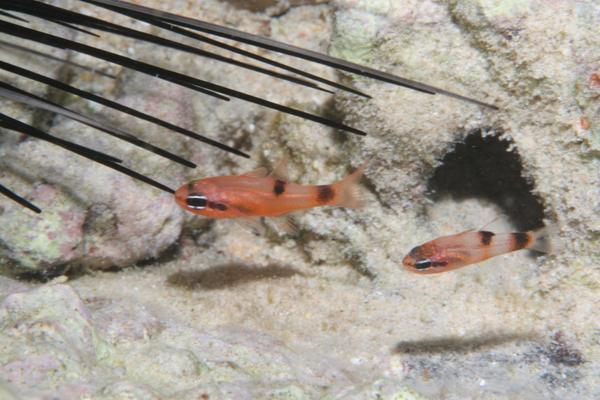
(329, 313)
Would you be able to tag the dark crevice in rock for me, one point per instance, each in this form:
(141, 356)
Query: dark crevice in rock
(253, 5)
(44, 119)
(330, 110)
(274, 8)
(486, 167)
(42, 275)
(170, 254)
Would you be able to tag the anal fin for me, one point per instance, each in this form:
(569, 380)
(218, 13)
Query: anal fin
(253, 224)
(286, 224)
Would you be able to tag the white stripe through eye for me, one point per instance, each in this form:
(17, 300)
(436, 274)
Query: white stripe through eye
(196, 201)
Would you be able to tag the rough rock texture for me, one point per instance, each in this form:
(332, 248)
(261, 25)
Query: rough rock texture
(55, 342)
(329, 313)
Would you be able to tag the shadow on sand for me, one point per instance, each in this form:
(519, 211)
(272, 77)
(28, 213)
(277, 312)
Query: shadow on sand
(461, 344)
(229, 275)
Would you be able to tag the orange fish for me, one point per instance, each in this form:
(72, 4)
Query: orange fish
(257, 194)
(455, 251)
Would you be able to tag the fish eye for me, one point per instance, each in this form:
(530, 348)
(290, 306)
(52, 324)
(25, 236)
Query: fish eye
(196, 201)
(423, 264)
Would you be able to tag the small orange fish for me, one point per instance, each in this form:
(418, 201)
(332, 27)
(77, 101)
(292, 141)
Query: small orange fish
(256, 194)
(455, 251)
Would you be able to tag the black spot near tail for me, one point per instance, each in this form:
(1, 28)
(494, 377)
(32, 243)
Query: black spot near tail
(279, 187)
(521, 239)
(486, 237)
(325, 193)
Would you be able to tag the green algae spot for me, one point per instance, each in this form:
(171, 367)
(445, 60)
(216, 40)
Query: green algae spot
(356, 34)
(407, 393)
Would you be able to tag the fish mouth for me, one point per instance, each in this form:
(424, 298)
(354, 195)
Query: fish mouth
(408, 262)
(181, 196)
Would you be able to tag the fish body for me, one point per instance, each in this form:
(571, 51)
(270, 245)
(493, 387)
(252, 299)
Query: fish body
(256, 194)
(455, 251)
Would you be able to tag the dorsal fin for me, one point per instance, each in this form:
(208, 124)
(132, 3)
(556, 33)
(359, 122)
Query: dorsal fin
(481, 228)
(257, 173)
(281, 170)
(496, 218)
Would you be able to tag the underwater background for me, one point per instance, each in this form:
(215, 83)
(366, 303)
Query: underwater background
(115, 292)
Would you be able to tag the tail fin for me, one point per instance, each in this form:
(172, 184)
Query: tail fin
(349, 191)
(547, 239)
